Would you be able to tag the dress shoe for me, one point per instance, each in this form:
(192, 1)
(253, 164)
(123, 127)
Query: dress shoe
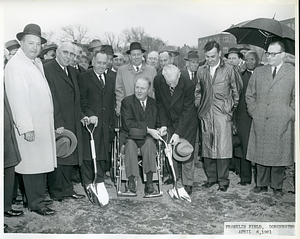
(278, 192)
(132, 187)
(150, 190)
(44, 211)
(243, 183)
(75, 196)
(188, 189)
(208, 184)
(260, 189)
(13, 213)
(168, 181)
(223, 188)
(57, 199)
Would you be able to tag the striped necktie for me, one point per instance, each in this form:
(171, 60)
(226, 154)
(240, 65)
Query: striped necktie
(171, 91)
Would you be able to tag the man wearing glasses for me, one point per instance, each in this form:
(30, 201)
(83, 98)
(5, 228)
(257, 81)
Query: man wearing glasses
(62, 79)
(270, 99)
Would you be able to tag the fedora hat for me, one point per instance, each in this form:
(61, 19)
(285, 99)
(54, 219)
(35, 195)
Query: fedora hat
(94, 43)
(183, 150)
(48, 48)
(136, 133)
(170, 49)
(12, 44)
(31, 29)
(135, 46)
(108, 50)
(234, 50)
(192, 55)
(66, 143)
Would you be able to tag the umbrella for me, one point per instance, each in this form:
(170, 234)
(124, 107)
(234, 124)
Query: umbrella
(262, 31)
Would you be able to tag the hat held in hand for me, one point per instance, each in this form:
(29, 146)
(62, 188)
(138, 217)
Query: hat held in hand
(183, 150)
(66, 143)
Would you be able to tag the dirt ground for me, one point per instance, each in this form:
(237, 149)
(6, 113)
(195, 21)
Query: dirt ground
(205, 215)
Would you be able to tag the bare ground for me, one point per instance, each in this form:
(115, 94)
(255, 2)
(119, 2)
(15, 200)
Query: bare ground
(205, 215)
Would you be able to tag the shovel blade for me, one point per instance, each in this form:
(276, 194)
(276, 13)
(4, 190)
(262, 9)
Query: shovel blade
(97, 194)
(182, 194)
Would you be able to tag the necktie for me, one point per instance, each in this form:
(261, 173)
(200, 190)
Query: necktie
(172, 90)
(143, 105)
(274, 72)
(137, 69)
(66, 70)
(193, 74)
(102, 79)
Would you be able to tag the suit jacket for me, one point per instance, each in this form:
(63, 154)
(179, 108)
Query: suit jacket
(66, 100)
(97, 100)
(126, 78)
(178, 113)
(271, 104)
(133, 115)
(185, 73)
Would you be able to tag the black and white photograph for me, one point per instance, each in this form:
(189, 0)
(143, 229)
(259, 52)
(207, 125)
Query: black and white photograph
(149, 118)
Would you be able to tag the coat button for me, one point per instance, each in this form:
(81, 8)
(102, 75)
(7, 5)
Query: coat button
(103, 108)
(267, 118)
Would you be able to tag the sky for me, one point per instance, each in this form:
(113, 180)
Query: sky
(176, 22)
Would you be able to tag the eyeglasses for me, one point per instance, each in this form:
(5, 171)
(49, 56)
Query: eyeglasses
(272, 54)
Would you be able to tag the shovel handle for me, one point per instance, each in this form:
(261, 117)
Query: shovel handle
(93, 151)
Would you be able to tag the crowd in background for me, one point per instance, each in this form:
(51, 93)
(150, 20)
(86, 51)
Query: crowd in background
(235, 112)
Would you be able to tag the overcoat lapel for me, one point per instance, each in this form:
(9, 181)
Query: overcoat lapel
(63, 74)
(138, 106)
(165, 89)
(96, 80)
(279, 75)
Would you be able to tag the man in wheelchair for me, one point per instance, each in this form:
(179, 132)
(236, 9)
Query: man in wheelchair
(139, 118)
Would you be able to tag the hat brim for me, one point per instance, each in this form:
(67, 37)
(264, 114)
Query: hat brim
(178, 157)
(174, 52)
(21, 34)
(192, 59)
(73, 142)
(239, 54)
(128, 52)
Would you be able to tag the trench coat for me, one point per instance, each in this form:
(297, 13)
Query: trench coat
(31, 104)
(97, 100)
(216, 98)
(67, 110)
(126, 77)
(271, 104)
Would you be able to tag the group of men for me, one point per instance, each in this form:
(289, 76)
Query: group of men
(204, 103)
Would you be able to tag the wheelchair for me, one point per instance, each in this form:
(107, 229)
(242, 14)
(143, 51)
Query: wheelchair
(118, 167)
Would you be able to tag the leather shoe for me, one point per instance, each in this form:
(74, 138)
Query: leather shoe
(46, 202)
(188, 189)
(260, 189)
(44, 211)
(223, 188)
(278, 192)
(57, 199)
(13, 213)
(75, 196)
(243, 183)
(208, 184)
(131, 187)
(150, 190)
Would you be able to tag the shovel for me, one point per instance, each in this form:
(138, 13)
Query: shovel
(96, 192)
(175, 192)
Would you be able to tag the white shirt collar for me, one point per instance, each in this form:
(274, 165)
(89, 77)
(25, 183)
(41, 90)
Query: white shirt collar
(140, 67)
(145, 102)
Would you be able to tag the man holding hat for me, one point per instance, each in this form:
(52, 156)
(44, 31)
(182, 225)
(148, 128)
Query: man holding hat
(139, 118)
(178, 118)
(31, 104)
(62, 79)
(12, 46)
(128, 74)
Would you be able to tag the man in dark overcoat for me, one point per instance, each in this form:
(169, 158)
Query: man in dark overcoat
(97, 102)
(11, 159)
(62, 79)
(243, 120)
(177, 114)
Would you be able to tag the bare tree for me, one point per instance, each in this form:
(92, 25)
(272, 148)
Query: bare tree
(112, 39)
(76, 33)
(48, 36)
